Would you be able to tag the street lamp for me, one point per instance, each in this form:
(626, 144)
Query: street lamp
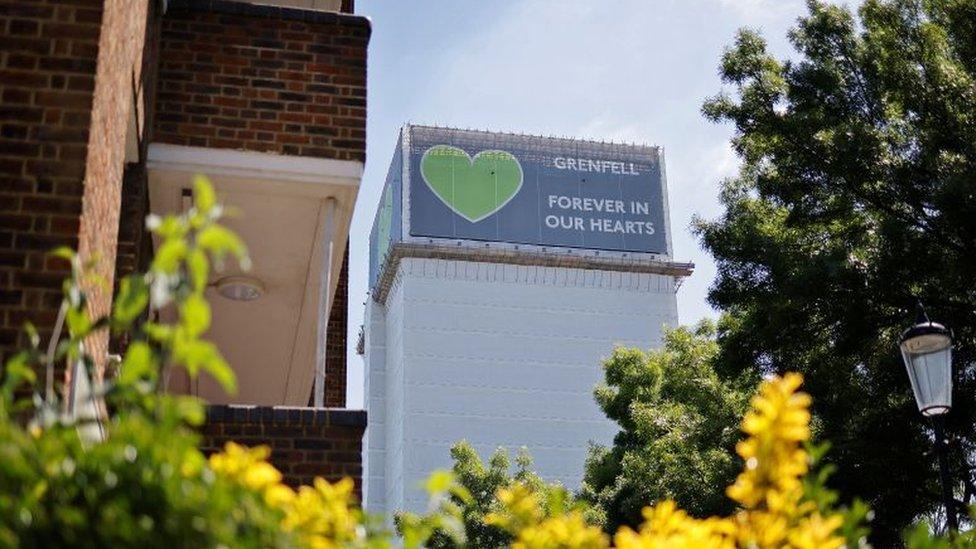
(926, 349)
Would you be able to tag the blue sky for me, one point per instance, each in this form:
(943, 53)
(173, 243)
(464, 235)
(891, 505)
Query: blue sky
(622, 70)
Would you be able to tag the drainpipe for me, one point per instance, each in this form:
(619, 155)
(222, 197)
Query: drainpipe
(325, 305)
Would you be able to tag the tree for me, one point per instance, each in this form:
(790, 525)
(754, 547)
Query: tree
(781, 500)
(474, 495)
(857, 196)
(679, 426)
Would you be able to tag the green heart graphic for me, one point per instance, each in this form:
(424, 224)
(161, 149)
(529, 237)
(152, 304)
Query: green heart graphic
(473, 187)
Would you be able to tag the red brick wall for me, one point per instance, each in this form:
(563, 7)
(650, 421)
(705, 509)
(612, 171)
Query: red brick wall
(134, 246)
(262, 78)
(118, 77)
(335, 351)
(305, 443)
(53, 90)
(47, 78)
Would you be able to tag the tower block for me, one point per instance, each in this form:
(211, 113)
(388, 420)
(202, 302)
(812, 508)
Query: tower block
(503, 269)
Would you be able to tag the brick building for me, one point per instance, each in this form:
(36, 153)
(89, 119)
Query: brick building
(107, 110)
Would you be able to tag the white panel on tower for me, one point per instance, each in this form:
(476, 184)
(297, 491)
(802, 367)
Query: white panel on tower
(503, 269)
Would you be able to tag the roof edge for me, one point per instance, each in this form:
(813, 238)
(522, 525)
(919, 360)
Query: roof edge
(566, 139)
(233, 7)
(403, 250)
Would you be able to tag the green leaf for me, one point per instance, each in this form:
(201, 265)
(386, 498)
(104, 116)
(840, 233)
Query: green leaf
(139, 363)
(195, 315)
(78, 322)
(204, 196)
(169, 255)
(168, 227)
(198, 268)
(221, 241)
(217, 367)
(190, 409)
(131, 301)
(197, 355)
(438, 482)
(32, 334)
(17, 371)
(63, 252)
(159, 333)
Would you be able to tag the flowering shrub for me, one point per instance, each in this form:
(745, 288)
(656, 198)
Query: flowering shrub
(323, 515)
(779, 506)
(465, 513)
(533, 528)
(777, 509)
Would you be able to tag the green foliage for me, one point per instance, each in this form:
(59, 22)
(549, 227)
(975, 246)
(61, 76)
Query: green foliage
(463, 500)
(679, 426)
(856, 196)
(144, 483)
(922, 536)
(133, 489)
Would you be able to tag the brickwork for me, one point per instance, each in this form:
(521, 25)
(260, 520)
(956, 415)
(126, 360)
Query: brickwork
(135, 248)
(263, 78)
(53, 88)
(305, 443)
(335, 351)
(48, 69)
(134, 244)
(118, 76)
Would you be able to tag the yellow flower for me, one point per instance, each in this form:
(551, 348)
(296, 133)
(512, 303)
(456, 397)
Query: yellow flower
(279, 495)
(775, 462)
(522, 515)
(817, 532)
(322, 515)
(774, 513)
(568, 531)
(246, 465)
(666, 526)
(521, 507)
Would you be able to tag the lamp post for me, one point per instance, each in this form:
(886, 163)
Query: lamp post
(926, 349)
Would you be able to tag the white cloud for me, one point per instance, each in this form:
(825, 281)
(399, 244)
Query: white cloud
(761, 10)
(723, 161)
(603, 127)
